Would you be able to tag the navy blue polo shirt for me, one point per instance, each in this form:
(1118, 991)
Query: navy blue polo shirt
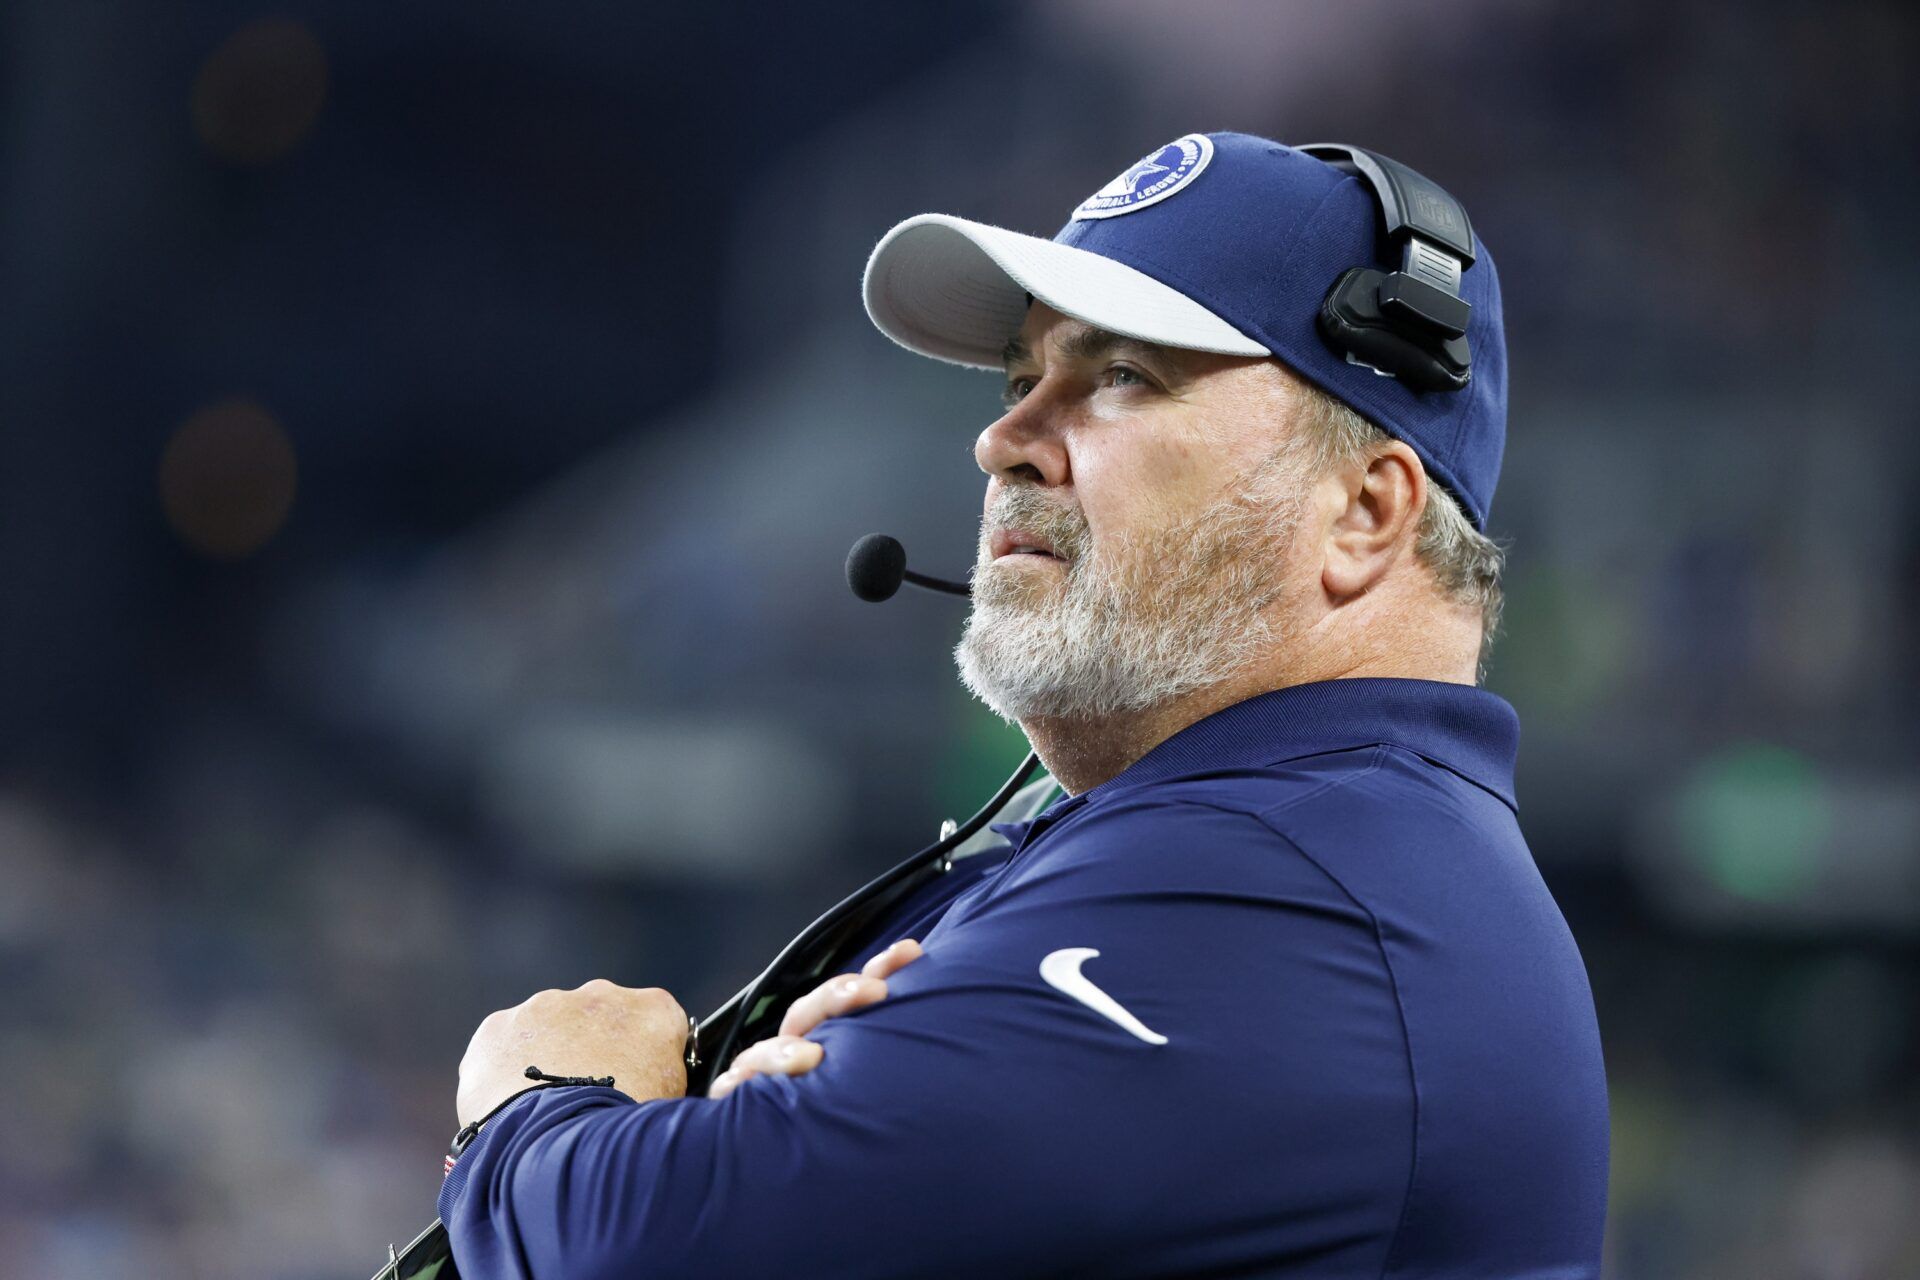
(1287, 997)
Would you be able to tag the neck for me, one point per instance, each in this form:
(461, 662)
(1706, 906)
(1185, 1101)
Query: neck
(1082, 753)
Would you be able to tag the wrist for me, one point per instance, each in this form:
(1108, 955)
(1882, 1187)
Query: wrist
(471, 1130)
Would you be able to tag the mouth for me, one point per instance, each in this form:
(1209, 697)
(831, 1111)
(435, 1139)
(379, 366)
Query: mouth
(1015, 542)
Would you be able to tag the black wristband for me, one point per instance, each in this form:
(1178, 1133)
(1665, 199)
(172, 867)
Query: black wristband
(471, 1130)
(597, 1082)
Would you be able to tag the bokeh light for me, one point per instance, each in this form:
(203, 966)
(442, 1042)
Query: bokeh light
(1756, 818)
(227, 479)
(258, 94)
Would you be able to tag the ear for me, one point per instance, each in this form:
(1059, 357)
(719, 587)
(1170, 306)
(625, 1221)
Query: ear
(1377, 517)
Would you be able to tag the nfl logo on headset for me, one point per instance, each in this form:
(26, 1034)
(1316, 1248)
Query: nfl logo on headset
(1151, 179)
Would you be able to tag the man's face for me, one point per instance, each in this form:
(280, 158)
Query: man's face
(1141, 513)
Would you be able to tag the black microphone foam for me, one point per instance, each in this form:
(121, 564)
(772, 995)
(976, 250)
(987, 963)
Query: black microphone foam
(876, 567)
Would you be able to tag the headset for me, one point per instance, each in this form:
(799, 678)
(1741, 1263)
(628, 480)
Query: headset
(1409, 324)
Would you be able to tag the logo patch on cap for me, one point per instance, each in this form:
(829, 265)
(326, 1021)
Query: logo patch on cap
(1151, 179)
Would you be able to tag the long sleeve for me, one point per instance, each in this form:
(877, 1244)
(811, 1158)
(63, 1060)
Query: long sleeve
(984, 1121)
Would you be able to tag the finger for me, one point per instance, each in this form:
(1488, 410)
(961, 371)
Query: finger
(775, 1056)
(779, 1056)
(893, 959)
(830, 999)
(726, 1082)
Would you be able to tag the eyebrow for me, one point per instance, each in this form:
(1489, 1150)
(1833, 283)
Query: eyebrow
(1084, 342)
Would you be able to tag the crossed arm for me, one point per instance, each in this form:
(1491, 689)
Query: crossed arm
(977, 1120)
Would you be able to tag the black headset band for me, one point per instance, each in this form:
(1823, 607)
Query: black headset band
(1410, 203)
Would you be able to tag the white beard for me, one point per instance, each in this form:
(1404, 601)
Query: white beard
(1141, 621)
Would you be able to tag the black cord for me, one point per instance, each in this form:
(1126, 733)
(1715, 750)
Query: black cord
(598, 1082)
(471, 1129)
(728, 1020)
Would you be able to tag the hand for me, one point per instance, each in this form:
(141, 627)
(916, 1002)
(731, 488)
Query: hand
(639, 1037)
(789, 1054)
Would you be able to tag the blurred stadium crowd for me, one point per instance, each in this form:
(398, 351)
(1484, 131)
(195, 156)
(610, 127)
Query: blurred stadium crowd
(432, 433)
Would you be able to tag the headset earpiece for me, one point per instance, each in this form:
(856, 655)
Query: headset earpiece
(1354, 322)
(1409, 324)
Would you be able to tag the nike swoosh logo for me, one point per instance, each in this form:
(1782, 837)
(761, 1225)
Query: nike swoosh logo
(1061, 971)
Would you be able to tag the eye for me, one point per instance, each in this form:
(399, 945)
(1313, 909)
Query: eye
(1017, 389)
(1122, 375)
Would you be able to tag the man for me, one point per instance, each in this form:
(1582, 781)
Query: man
(1276, 988)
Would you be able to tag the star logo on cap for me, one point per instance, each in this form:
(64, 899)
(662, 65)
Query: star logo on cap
(1129, 182)
(1151, 179)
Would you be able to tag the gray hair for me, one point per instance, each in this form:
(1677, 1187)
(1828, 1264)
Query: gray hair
(1464, 562)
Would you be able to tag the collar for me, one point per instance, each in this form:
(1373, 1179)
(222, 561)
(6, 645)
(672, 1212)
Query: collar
(1459, 727)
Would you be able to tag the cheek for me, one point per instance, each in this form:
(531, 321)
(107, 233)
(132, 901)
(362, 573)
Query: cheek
(1140, 484)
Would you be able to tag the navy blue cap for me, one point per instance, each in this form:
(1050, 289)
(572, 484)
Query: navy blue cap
(1216, 242)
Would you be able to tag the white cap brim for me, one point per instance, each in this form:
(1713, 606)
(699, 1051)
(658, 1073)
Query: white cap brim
(957, 291)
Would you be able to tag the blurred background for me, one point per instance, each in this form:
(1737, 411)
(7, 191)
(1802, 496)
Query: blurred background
(432, 433)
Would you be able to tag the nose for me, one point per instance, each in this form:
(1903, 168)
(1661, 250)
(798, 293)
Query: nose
(1024, 445)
